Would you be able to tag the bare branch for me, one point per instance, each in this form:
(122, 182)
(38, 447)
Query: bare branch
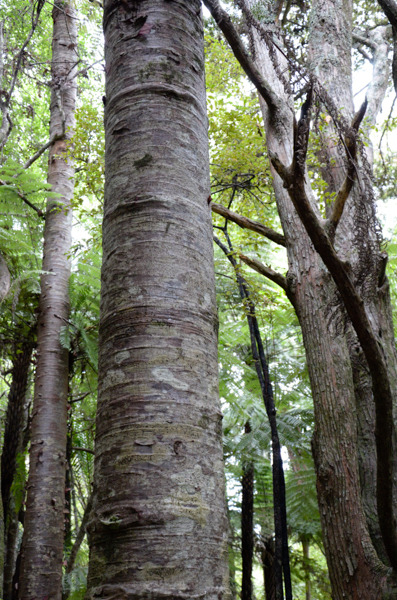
(259, 267)
(247, 223)
(362, 39)
(225, 23)
(364, 54)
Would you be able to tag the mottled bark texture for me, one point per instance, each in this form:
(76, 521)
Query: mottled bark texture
(42, 549)
(356, 571)
(158, 527)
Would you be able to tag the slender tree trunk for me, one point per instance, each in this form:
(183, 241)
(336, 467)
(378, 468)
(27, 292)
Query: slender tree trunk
(15, 419)
(306, 557)
(14, 444)
(158, 527)
(281, 555)
(267, 555)
(42, 548)
(247, 526)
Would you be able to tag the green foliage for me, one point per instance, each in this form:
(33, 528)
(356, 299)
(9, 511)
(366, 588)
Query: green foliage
(19, 482)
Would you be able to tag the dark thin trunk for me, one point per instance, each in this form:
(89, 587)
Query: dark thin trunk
(247, 526)
(15, 419)
(42, 547)
(281, 562)
(267, 555)
(306, 566)
(14, 444)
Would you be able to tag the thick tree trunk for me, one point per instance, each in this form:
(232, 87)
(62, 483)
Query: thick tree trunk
(158, 527)
(247, 526)
(355, 570)
(42, 549)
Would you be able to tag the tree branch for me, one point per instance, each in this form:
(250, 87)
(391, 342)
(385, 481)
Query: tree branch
(362, 39)
(247, 223)
(225, 23)
(4, 130)
(351, 153)
(259, 267)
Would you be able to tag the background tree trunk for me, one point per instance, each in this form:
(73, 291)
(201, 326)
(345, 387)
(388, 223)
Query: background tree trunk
(42, 548)
(247, 526)
(158, 526)
(14, 444)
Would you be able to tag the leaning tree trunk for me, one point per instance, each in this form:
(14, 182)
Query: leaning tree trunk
(42, 547)
(158, 527)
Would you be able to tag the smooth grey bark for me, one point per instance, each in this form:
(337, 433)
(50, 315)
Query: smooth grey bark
(158, 527)
(5, 278)
(42, 547)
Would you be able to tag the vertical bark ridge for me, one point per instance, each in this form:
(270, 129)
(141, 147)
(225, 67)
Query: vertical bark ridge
(158, 528)
(42, 548)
